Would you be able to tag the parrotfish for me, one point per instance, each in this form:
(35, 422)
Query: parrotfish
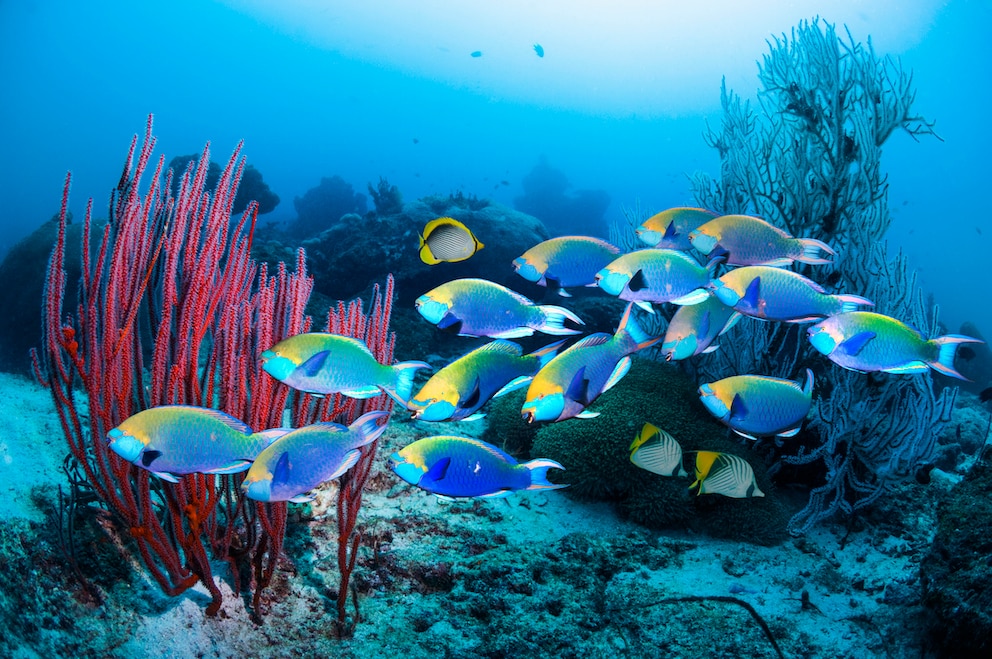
(182, 439)
(320, 363)
(304, 458)
(759, 406)
(726, 474)
(461, 467)
(656, 275)
(775, 294)
(565, 261)
(747, 240)
(479, 307)
(575, 378)
(460, 389)
(865, 341)
(670, 229)
(447, 240)
(695, 327)
(657, 451)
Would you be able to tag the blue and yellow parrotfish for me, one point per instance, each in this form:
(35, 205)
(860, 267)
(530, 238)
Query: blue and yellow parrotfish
(182, 439)
(695, 327)
(304, 458)
(461, 467)
(447, 240)
(460, 389)
(657, 451)
(865, 341)
(759, 406)
(726, 474)
(775, 294)
(656, 275)
(670, 229)
(321, 363)
(565, 261)
(575, 378)
(746, 240)
(479, 307)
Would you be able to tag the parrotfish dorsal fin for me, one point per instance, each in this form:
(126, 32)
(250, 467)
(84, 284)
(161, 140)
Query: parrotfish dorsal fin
(148, 457)
(753, 293)
(856, 343)
(438, 470)
(637, 282)
(311, 367)
(738, 408)
(281, 473)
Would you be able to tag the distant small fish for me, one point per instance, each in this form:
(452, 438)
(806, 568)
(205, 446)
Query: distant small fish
(866, 341)
(979, 230)
(304, 458)
(657, 451)
(476, 53)
(726, 474)
(539, 49)
(416, 141)
(504, 182)
(462, 467)
(833, 278)
(445, 239)
(966, 353)
(985, 395)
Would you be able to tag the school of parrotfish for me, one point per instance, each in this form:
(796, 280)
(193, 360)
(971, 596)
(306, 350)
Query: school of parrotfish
(286, 464)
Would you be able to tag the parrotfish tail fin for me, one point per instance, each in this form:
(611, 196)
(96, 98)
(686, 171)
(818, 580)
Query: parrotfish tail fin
(714, 262)
(539, 474)
(368, 427)
(547, 353)
(402, 387)
(554, 318)
(815, 252)
(948, 346)
(852, 302)
(630, 326)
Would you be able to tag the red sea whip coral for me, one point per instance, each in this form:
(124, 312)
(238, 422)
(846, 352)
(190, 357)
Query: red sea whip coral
(173, 310)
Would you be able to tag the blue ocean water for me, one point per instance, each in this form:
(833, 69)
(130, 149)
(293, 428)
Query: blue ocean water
(443, 98)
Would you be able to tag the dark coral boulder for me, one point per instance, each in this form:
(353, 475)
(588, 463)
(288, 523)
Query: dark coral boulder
(957, 573)
(359, 250)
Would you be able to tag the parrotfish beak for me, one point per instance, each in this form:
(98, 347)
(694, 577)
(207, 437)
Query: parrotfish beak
(648, 236)
(544, 408)
(127, 446)
(702, 242)
(712, 402)
(612, 282)
(821, 339)
(680, 348)
(278, 367)
(440, 410)
(260, 490)
(405, 470)
(526, 270)
(724, 293)
(431, 309)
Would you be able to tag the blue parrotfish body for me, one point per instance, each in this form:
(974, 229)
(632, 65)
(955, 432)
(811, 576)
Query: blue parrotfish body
(759, 406)
(452, 466)
(305, 457)
(747, 240)
(565, 261)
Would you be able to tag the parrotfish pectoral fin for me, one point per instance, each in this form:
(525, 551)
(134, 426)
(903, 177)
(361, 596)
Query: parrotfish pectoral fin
(539, 474)
(945, 357)
(438, 470)
(450, 322)
(578, 388)
(738, 408)
(704, 324)
(281, 473)
(856, 343)
(637, 282)
(752, 296)
(149, 456)
(472, 398)
(311, 367)
(671, 230)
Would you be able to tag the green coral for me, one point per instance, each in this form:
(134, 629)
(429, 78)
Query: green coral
(596, 456)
